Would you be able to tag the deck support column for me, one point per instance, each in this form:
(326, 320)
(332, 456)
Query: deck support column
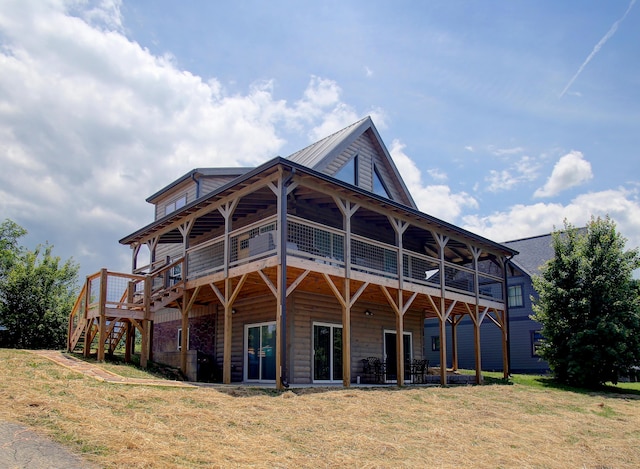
(442, 242)
(128, 342)
(348, 209)
(146, 323)
(477, 322)
(86, 350)
(400, 226)
(102, 305)
(228, 322)
(346, 335)
(454, 343)
(505, 349)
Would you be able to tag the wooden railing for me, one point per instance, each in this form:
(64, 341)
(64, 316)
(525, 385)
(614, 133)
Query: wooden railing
(117, 295)
(322, 244)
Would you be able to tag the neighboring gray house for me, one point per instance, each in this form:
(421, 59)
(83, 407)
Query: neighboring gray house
(524, 333)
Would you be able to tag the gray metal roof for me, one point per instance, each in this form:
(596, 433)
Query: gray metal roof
(313, 155)
(235, 171)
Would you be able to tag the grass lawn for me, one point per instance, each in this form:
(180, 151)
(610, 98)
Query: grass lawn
(526, 423)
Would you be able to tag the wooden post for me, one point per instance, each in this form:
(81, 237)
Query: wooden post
(505, 350)
(145, 323)
(454, 343)
(226, 360)
(144, 346)
(442, 242)
(400, 341)
(128, 340)
(279, 329)
(102, 324)
(346, 335)
(348, 209)
(185, 332)
(478, 320)
(476, 340)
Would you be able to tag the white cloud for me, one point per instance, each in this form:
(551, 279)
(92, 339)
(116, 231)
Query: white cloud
(523, 170)
(506, 151)
(437, 175)
(91, 123)
(437, 200)
(522, 221)
(571, 170)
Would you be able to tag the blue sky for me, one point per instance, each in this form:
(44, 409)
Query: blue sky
(503, 117)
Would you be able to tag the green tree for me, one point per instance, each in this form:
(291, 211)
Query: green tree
(10, 233)
(588, 305)
(37, 292)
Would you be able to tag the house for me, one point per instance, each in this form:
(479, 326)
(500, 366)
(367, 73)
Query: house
(524, 332)
(296, 271)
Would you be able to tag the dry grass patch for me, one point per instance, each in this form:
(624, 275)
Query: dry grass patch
(487, 426)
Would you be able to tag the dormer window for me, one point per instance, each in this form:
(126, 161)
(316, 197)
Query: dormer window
(175, 204)
(379, 186)
(349, 172)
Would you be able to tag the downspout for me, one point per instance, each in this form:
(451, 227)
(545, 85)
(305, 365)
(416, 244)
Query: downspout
(283, 279)
(197, 181)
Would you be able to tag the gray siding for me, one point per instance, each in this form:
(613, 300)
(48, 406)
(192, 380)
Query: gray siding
(520, 336)
(188, 188)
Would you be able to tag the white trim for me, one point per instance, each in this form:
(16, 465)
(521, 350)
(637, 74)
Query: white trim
(331, 360)
(180, 337)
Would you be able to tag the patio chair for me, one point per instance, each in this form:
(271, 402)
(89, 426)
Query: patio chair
(373, 369)
(419, 369)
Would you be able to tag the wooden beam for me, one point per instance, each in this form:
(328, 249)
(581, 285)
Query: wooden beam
(102, 304)
(291, 288)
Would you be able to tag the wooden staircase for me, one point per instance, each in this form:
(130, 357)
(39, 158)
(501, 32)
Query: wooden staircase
(111, 305)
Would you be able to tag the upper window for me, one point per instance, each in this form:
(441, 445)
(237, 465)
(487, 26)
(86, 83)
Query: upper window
(378, 185)
(516, 300)
(175, 205)
(349, 172)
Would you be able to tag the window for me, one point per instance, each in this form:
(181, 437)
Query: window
(349, 172)
(378, 185)
(516, 300)
(435, 343)
(176, 204)
(536, 340)
(180, 338)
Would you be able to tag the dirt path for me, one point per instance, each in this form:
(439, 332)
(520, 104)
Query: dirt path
(101, 374)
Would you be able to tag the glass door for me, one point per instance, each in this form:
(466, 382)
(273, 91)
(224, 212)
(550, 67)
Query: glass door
(327, 352)
(391, 355)
(260, 352)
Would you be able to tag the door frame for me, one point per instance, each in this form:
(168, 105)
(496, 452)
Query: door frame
(384, 349)
(331, 361)
(245, 352)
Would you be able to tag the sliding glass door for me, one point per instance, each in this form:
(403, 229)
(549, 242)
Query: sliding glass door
(327, 352)
(260, 352)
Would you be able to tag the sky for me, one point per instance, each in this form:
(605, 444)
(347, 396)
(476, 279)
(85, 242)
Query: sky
(504, 118)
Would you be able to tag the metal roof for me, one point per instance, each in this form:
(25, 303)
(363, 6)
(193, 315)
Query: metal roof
(534, 252)
(194, 173)
(313, 155)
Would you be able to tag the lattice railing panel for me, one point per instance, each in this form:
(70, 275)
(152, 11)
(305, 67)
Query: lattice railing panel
(374, 258)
